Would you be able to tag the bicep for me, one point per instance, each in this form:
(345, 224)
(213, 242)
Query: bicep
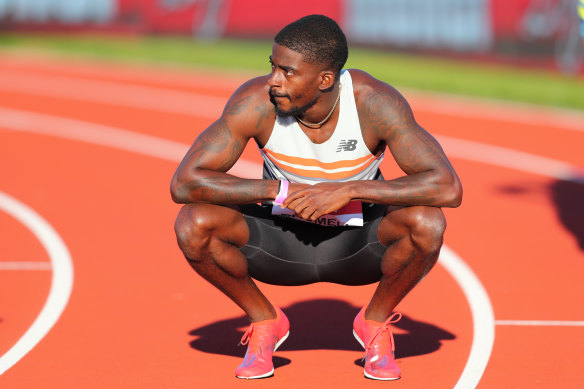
(217, 148)
(412, 147)
(415, 150)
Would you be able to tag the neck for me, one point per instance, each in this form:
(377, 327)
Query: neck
(327, 117)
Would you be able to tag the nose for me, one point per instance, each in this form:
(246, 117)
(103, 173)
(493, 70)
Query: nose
(275, 81)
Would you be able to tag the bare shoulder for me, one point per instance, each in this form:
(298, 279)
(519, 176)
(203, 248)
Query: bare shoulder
(249, 110)
(382, 108)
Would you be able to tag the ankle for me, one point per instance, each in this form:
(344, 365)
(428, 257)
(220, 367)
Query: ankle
(268, 313)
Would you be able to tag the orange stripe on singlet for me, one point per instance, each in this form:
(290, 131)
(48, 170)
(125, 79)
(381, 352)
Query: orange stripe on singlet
(311, 163)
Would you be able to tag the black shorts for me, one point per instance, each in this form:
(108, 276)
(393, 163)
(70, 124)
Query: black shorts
(284, 251)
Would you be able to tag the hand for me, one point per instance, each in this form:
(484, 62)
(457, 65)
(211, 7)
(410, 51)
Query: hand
(312, 202)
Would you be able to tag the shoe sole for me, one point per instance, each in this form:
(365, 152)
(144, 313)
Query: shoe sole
(270, 373)
(367, 374)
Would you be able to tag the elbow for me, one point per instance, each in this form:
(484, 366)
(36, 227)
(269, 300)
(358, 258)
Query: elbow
(178, 191)
(454, 194)
(174, 192)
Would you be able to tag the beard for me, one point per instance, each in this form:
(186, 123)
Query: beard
(293, 111)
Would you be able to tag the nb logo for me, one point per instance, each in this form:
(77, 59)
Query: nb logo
(347, 145)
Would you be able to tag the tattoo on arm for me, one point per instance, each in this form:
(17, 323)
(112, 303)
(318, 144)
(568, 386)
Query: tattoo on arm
(218, 145)
(388, 118)
(265, 113)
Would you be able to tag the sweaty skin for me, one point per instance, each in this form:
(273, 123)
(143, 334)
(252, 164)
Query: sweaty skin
(386, 120)
(210, 228)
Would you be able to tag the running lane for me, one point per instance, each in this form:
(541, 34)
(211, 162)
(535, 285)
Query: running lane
(139, 316)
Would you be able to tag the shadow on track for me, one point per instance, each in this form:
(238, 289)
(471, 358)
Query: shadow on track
(316, 325)
(567, 197)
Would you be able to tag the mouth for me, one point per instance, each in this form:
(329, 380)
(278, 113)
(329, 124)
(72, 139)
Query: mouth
(279, 96)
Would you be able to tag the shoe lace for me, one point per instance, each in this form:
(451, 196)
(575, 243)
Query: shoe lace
(255, 336)
(380, 330)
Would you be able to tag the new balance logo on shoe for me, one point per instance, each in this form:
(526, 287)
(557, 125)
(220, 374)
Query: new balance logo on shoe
(347, 145)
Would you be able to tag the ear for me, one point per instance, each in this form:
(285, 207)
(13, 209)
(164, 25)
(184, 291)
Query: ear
(327, 80)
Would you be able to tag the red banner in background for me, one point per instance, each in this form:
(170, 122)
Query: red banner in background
(261, 18)
(523, 31)
(245, 18)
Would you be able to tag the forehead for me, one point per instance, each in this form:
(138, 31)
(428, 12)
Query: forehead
(283, 56)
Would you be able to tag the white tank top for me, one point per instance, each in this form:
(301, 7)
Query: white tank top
(289, 154)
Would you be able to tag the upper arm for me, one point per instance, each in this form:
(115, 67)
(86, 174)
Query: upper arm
(388, 119)
(220, 145)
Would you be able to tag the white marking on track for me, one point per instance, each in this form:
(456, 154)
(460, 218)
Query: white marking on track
(195, 104)
(491, 109)
(61, 282)
(147, 145)
(113, 93)
(97, 134)
(560, 323)
(25, 265)
(508, 158)
(482, 313)
(483, 318)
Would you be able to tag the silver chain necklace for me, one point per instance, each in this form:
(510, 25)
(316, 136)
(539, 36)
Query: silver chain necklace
(323, 121)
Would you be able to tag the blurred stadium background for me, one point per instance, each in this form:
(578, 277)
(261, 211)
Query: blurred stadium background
(526, 50)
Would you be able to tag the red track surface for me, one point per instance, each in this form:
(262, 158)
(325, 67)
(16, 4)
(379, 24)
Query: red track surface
(139, 317)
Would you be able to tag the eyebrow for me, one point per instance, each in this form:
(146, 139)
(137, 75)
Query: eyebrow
(283, 67)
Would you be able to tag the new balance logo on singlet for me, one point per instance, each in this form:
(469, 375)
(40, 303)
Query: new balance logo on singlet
(347, 145)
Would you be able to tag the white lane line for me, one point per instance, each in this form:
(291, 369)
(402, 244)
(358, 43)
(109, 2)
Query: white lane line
(61, 282)
(113, 93)
(560, 323)
(491, 109)
(166, 76)
(508, 158)
(483, 321)
(483, 318)
(74, 129)
(108, 136)
(25, 265)
(166, 99)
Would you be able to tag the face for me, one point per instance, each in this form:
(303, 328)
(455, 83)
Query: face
(294, 84)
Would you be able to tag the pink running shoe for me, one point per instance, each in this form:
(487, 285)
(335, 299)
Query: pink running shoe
(377, 340)
(263, 338)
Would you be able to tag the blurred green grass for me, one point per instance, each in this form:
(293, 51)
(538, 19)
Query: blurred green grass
(403, 71)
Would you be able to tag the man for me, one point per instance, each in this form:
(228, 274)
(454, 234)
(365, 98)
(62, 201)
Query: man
(326, 213)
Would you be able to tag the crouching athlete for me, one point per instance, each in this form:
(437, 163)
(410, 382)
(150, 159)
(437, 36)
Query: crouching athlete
(322, 211)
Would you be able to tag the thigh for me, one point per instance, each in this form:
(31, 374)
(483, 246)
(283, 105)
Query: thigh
(404, 220)
(225, 223)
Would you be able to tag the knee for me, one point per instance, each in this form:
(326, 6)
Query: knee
(427, 226)
(193, 228)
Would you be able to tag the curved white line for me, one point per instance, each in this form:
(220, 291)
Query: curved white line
(482, 312)
(483, 318)
(61, 282)
(161, 148)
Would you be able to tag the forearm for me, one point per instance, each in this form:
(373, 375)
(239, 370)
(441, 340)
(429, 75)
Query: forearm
(427, 188)
(208, 186)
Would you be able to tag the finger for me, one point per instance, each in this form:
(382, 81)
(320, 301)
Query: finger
(293, 203)
(292, 197)
(303, 208)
